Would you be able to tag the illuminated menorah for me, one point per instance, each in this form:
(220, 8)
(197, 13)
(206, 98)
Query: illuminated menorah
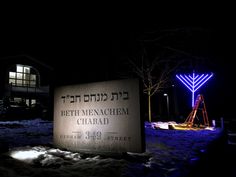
(194, 82)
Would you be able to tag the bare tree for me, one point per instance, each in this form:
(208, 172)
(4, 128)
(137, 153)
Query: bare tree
(161, 53)
(155, 75)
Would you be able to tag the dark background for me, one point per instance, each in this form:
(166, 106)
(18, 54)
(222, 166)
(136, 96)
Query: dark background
(89, 44)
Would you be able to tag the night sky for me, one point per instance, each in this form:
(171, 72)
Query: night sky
(90, 46)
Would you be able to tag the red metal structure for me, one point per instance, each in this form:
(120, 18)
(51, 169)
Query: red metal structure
(199, 105)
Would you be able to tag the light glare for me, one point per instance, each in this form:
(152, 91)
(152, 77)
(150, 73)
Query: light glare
(26, 154)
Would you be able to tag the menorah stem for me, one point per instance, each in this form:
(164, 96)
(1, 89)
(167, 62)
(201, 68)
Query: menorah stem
(192, 99)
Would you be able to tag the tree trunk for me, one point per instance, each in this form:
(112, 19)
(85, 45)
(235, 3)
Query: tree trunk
(149, 106)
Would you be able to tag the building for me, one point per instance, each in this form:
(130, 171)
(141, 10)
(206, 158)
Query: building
(25, 86)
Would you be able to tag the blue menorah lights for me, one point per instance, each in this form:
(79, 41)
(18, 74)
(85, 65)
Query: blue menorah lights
(194, 82)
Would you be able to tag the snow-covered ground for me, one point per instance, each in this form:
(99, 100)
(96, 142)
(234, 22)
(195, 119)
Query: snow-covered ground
(169, 153)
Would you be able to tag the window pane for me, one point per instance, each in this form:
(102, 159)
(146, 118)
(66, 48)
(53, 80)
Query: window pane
(33, 101)
(12, 75)
(32, 83)
(33, 77)
(19, 68)
(26, 70)
(26, 76)
(26, 82)
(17, 100)
(12, 81)
(27, 102)
(19, 82)
(19, 76)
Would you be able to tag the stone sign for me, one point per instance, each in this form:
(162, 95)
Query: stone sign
(98, 117)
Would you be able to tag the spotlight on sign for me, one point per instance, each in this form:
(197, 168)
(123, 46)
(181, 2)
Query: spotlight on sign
(194, 82)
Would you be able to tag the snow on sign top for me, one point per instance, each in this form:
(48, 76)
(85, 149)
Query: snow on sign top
(98, 117)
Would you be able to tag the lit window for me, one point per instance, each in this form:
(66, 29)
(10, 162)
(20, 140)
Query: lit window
(33, 77)
(24, 76)
(26, 70)
(17, 100)
(26, 82)
(19, 82)
(12, 75)
(19, 68)
(19, 76)
(32, 83)
(33, 101)
(12, 81)
(27, 102)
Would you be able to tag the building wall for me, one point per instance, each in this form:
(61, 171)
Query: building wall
(42, 92)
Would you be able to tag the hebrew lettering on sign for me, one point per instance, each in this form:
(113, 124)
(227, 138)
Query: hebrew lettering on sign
(96, 97)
